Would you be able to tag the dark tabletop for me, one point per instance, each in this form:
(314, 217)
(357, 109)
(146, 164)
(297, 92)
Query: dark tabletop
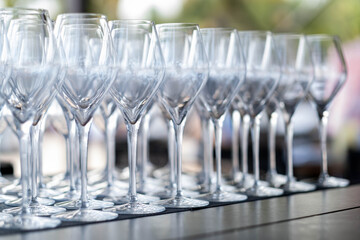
(326, 214)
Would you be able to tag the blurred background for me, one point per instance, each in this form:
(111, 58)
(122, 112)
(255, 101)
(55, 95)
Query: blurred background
(339, 17)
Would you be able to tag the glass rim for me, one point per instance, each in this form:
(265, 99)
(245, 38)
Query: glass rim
(132, 21)
(322, 36)
(255, 32)
(177, 25)
(82, 15)
(218, 29)
(289, 35)
(6, 10)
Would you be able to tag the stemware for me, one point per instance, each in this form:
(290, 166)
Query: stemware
(298, 73)
(272, 176)
(227, 72)
(35, 66)
(141, 71)
(90, 71)
(330, 76)
(262, 77)
(187, 70)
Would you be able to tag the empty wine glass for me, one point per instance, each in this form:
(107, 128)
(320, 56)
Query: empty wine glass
(227, 72)
(298, 73)
(272, 176)
(262, 77)
(330, 76)
(141, 71)
(35, 67)
(187, 70)
(90, 71)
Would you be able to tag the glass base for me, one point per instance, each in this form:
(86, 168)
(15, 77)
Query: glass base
(18, 202)
(4, 198)
(248, 181)
(48, 193)
(36, 209)
(149, 188)
(263, 191)
(69, 196)
(85, 215)
(233, 179)
(297, 186)
(327, 181)
(91, 205)
(170, 193)
(5, 219)
(126, 198)
(4, 181)
(182, 202)
(110, 192)
(31, 222)
(135, 208)
(275, 179)
(14, 188)
(221, 196)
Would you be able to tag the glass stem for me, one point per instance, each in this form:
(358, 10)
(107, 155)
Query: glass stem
(323, 139)
(72, 151)
(132, 135)
(179, 132)
(23, 132)
(244, 144)
(35, 137)
(255, 135)
(272, 142)
(207, 132)
(111, 124)
(171, 154)
(236, 119)
(144, 157)
(41, 125)
(289, 148)
(218, 124)
(83, 131)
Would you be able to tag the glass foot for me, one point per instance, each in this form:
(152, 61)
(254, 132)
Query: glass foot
(298, 186)
(149, 188)
(275, 179)
(110, 192)
(248, 181)
(14, 188)
(221, 196)
(182, 202)
(36, 209)
(5, 219)
(69, 196)
(91, 205)
(126, 198)
(262, 191)
(170, 193)
(85, 215)
(4, 181)
(31, 222)
(18, 202)
(48, 193)
(135, 208)
(4, 198)
(327, 181)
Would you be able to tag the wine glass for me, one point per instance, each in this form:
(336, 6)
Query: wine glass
(227, 72)
(262, 77)
(141, 71)
(187, 70)
(35, 66)
(298, 73)
(330, 76)
(90, 71)
(272, 176)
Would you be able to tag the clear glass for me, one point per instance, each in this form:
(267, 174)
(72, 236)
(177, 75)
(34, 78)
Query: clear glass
(35, 72)
(330, 76)
(272, 176)
(141, 71)
(262, 77)
(89, 57)
(297, 75)
(187, 70)
(226, 75)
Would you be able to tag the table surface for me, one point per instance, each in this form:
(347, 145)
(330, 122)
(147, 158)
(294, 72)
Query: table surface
(327, 214)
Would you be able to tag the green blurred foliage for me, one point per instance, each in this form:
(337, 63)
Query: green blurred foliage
(341, 17)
